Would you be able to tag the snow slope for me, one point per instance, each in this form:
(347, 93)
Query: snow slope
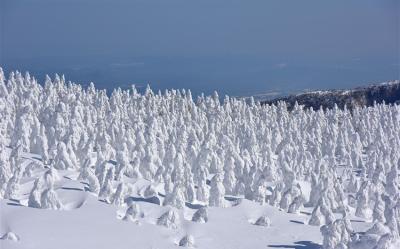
(86, 222)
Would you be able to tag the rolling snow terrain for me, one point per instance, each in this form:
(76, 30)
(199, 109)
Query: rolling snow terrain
(81, 169)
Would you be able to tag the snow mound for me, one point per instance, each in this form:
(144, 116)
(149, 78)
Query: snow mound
(263, 221)
(10, 236)
(187, 241)
(201, 215)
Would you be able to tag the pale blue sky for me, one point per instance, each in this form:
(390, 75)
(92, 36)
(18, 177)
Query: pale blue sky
(235, 46)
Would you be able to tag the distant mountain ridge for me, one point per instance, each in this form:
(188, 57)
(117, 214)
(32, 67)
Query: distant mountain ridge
(388, 92)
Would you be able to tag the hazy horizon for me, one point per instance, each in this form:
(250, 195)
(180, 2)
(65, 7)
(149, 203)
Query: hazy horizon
(235, 47)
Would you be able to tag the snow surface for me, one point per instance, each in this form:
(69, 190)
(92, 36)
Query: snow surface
(85, 222)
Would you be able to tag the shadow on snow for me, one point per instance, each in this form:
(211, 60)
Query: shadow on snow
(299, 245)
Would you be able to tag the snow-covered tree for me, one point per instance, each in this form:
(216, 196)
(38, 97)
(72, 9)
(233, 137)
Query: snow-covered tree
(35, 195)
(118, 198)
(49, 199)
(62, 159)
(106, 189)
(13, 186)
(169, 219)
(133, 213)
(217, 192)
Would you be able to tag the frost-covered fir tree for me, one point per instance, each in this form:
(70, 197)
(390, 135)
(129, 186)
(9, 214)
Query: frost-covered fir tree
(217, 192)
(260, 191)
(363, 210)
(133, 213)
(94, 185)
(5, 170)
(62, 159)
(13, 186)
(392, 180)
(176, 198)
(169, 219)
(122, 162)
(118, 198)
(106, 189)
(49, 199)
(35, 195)
(379, 209)
(51, 176)
(229, 176)
(317, 218)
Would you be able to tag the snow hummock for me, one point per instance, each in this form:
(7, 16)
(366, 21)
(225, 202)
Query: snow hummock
(187, 241)
(10, 236)
(201, 215)
(263, 221)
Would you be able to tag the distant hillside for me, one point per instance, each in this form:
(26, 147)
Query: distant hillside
(389, 92)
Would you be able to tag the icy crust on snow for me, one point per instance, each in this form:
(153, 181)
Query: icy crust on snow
(80, 169)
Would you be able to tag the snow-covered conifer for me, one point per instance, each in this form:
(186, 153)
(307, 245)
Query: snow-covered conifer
(275, 199)
(49, 199)
(379, 209)
(133, 213)
(217, 192)
(122, 162)
(363, 210)
(119, 195)
(106, 188)
(133, 169)
(296, 204)
(5, 170)
(229, 176)
(62, 159)
(35, 195)
(169, 219)
(51, 176)
(317, 218)
(13, 186)
(94, 185)
(392, 181)
(176, 198)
